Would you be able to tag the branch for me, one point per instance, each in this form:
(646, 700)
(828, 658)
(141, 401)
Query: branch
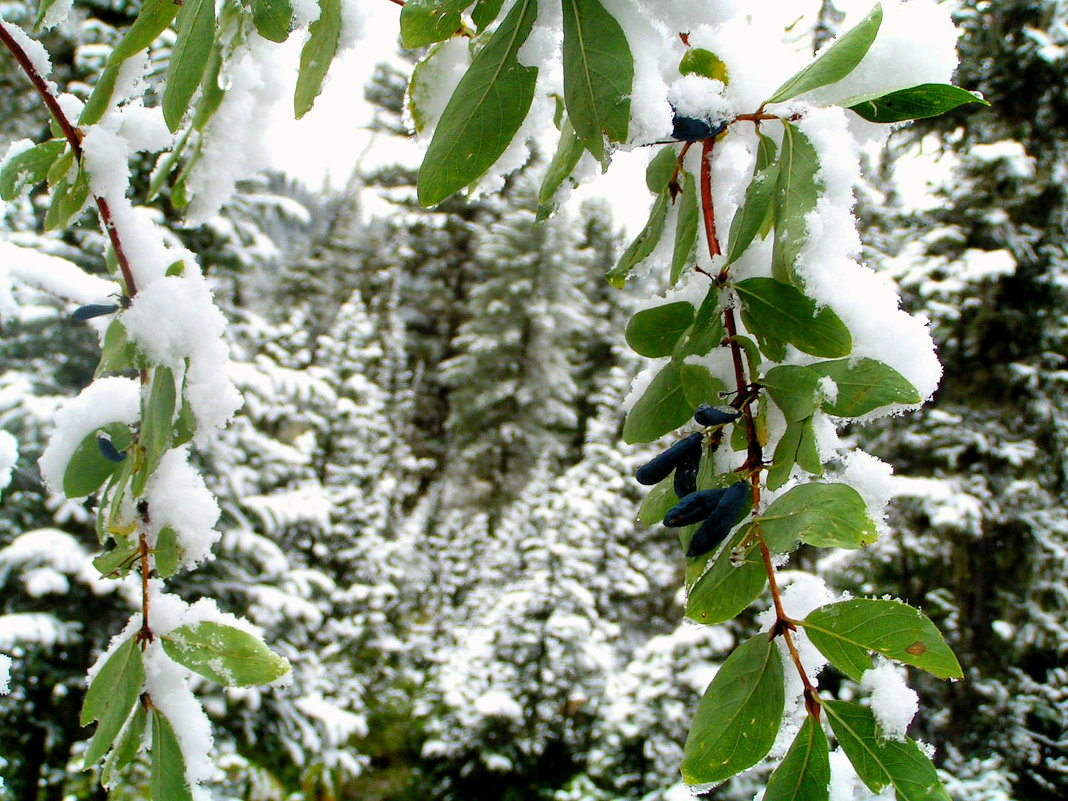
(74, 138)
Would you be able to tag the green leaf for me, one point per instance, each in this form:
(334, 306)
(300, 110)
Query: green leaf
(60, 169)
(706, 331)
(111, 697)
(317, 55)
(660, 169)
(685, 228)
(87, 469)
(167, 780)
(805, 772)
(485, 12)
(423, 22)
(598, 73)
(192, 48)
(825, 515)
(224, 654)
(864, 385)
(152, 20)
(273, 19)
(42, 9)
(643, 243)
(166, 552)
(166, 163)
(881, 762)
(157, 425)
(793, 389)
(100, 98)
(751, 351)
(653, 332)
(115, 354)
(727, 587)
(796, 193)
(699, 386)
(796, 446)
(766, 156)
(890, 628)
(657, 503)
(661, 409)
(185, 426)
(126, 748)
(68, 199)
(568, 153)
(915, 103)
(835, 62)
(211, 93)
(29, 168)
(775, 312)
(117, 561)
(484, 112)
(738, 716)
(750, 217)
(698, 61)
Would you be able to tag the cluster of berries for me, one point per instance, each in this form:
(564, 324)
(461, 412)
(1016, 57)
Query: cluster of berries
(719, 509)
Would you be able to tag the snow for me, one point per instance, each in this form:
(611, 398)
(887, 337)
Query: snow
(338, 724)
(923, 29)
(498, 704)
(228, 154)
(892, 701)
(5, 676)
(37, 628)
(1010, 152)
(33, 49)
(106, 400)
(9, 455)
(177, 497)
(173, 319)
(54, 275)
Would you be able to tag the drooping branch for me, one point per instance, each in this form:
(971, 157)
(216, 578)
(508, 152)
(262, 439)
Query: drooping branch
(74, 138)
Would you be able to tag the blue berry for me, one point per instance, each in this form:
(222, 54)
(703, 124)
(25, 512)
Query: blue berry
(657, 469)
(728, 512)
(108, 451)
(710, 416)
(91, 310)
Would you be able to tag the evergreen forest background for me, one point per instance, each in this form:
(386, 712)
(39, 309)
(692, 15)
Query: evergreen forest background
(428, 508)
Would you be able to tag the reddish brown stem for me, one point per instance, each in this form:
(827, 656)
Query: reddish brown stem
(709, 212)
(145, 635)
(783, 626)
(74, 137)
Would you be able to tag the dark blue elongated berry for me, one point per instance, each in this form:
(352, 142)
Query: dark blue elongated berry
(710, 416)
(686, 476)
(693, 129)
(657, 469)
(108, 451)
(91, 310)
(694, 508)
(728, 512)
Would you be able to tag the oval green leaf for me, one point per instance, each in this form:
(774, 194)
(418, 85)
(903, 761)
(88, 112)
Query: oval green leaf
(316, 56)
(864, 385)
(598, 73)
(793, 389)
(805, 772)
(657, 503)
(87, 469)
(111, 696)
(485, 111)
(167, 780)
(29, 168)
(796, 191)
(700, 386)
(836, 62)
(825, 515)
(890, 628)
(423, 22)
(660, 169)
(915, 103)
(643, 243)
(880, 762)
(727, 587)
(224, 654)
(698, 61)
(568, 152)
(152, 20)
(273, 18)
(685, 228)
(653, 332)
(196, 35)
(661, 409)
(775, 312)
(738, 716)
